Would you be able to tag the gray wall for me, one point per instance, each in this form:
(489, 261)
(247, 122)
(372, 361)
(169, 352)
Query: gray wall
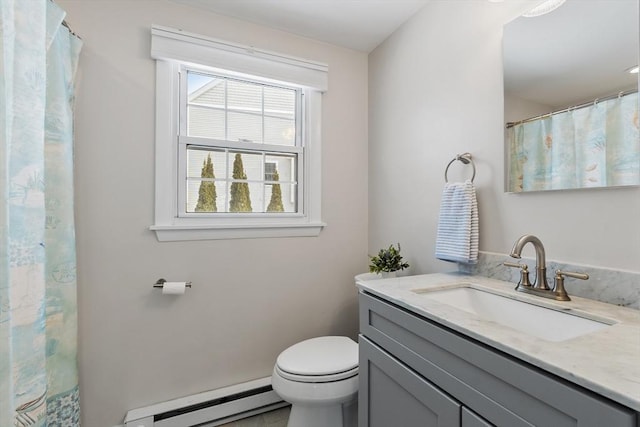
(250, 298)
(435, 89)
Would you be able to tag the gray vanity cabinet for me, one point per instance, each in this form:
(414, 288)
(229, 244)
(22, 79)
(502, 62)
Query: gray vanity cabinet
(397, 396)
(415, 372)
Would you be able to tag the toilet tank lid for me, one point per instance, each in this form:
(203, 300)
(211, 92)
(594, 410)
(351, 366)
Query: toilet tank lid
(320, 356)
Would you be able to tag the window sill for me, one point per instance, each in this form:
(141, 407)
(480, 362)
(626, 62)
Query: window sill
(175, 233)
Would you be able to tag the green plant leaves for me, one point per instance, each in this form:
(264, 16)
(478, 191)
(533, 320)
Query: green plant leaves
(387, 260)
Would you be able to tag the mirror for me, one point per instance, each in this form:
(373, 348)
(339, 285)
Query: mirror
(559, 65)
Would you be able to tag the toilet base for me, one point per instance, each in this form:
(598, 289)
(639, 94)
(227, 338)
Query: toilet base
(323, 416)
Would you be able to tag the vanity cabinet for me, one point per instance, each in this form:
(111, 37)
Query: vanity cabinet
(397, 396)
(416, 372)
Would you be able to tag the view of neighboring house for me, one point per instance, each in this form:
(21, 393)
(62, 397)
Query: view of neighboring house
(222, 109)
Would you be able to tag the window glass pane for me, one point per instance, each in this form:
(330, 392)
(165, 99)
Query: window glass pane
(279, 102)
(284, 165)
(280, 198)
(205, 105)
(203, 89)
(250, 164)
(203, 166)
(245, 127)
(257, 196)
(280, 192)
(243, 195)
(197, 159)
(279, 112)
(205, 122)
(279, 131)
(206, 196)
(244, 96)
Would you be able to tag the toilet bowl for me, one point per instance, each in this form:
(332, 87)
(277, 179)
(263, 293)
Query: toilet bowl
(319, 377)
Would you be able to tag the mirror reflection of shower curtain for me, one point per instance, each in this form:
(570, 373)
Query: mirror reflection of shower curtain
(38, 315)
(593, 146)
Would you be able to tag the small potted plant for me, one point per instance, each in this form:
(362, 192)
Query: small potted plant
(387, 262)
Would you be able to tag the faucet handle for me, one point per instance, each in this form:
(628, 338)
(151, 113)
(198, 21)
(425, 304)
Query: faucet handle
(580, 276)
(558, 288)
(516, 265)
(524, 273)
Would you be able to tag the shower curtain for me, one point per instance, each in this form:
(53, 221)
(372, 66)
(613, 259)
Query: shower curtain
(38, 321)
(594, 146)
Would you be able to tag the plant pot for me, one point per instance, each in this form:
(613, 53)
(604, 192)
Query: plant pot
(388, 274)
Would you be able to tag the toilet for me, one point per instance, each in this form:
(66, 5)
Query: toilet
(319, 377)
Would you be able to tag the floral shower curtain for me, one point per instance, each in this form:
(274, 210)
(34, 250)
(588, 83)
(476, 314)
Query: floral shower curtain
(594, 146)
(38, 321)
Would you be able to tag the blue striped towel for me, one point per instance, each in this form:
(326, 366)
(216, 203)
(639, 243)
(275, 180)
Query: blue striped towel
(457, 238)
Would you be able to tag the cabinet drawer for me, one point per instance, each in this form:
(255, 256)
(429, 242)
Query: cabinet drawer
(393, 395)
(498, 387)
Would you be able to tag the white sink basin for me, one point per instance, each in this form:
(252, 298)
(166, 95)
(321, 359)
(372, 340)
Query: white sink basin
(546, 322)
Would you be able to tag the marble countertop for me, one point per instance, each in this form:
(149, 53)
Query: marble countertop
(606, 361)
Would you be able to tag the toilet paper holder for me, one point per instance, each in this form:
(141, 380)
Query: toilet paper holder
(160, 283)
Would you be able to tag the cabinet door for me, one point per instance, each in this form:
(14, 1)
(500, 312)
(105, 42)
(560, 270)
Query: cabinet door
(390, 394)
(471, 419)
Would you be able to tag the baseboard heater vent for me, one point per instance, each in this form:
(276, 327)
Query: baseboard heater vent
(208, 409)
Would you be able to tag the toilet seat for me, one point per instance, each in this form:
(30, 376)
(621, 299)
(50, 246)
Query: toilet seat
(339, 376)
(318, 360)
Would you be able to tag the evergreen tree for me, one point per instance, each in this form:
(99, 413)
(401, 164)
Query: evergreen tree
(240, 200)
(207, 192)
(275, 205)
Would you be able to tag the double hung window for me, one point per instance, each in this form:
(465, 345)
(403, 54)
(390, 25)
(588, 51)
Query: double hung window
(241, 145)
(237, 140)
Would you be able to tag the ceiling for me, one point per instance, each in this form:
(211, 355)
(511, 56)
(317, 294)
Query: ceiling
(355, 24)
(579, 51)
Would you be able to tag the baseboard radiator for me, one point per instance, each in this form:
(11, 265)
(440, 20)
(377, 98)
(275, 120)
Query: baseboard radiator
(211, 408)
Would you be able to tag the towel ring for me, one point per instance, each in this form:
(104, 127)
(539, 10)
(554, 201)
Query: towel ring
(465, 158)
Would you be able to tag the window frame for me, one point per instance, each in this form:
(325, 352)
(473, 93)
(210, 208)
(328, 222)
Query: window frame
(173, 49)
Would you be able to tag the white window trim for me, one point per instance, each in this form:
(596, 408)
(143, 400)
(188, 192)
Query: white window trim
(172, 47)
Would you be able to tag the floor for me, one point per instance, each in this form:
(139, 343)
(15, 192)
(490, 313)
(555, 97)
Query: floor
(277, 418)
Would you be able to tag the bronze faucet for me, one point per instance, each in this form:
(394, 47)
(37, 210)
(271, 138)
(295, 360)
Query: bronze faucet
(540, 286)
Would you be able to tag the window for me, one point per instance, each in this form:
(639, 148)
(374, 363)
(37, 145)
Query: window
(270, 169)
(237, 140)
